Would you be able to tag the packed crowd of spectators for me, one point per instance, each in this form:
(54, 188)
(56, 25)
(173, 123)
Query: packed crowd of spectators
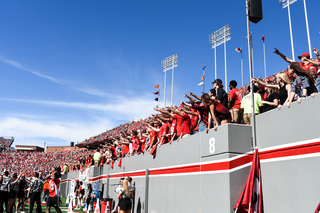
(210, 110)
(195, 114)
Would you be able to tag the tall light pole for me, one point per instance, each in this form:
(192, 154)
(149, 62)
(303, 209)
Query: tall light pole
(166, 64)
(307, 25)
(212, 41)
(215, 39)
(284, 4)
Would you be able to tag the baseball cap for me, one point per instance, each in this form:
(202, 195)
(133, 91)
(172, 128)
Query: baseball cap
(307, 55)
(218, 80)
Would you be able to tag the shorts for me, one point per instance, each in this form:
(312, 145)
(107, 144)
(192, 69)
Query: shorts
(247, 118)
(224, 116)
(20, 194)
(236, 115)
(12, 194)
(53, 202)
(125, 204)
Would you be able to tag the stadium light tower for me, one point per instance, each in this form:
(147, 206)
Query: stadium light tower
(307, 25)
(220, 36)
(167, 64)
(284, 4)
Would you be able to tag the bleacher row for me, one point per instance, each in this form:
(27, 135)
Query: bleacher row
(6, 143)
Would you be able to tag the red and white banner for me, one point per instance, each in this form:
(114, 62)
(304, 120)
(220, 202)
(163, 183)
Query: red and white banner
(250, 199)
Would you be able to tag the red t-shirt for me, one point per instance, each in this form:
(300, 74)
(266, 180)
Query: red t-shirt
(186, 124)
(220, 108)
(143, 144)
(114, 153)
(179, 123)
(54, 187)
(236, 96)
(163, 130)
(135, 143)
(125, 149)
(310, 68)
(194, 120)
(153, 136)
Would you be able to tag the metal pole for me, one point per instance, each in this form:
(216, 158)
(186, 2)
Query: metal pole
(204, 77)
(264, 55)
(251, 43)
(292, 48)
(307, 24)
(215, 63)
(146, 199)
(225, 62)
(165, 85)
(241, 67)
(172, 86)
(253, 123)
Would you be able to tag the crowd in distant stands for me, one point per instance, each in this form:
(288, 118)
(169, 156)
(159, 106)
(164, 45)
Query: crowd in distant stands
(199, 113)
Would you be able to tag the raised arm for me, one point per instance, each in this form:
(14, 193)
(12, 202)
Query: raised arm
(197, 97)
(176, 112)
(190, 98)
(163, 111)
(254, 80)
(276, 51)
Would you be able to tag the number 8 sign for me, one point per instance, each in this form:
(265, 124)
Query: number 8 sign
(212, 145)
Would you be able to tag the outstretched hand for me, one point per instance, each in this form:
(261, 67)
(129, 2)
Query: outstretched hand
(276, 51)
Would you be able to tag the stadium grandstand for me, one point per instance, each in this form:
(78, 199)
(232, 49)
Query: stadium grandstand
(5, 143)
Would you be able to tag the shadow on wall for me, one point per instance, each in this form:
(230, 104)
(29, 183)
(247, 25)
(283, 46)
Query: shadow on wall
(139, 206)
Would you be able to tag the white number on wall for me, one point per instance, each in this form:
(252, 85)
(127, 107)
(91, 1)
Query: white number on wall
(212, 145)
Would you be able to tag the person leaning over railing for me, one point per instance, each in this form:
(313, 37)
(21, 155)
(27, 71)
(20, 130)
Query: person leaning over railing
(302, 85)
(283, 84)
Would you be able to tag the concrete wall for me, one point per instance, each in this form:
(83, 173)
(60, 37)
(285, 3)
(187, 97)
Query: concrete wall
(207, 172)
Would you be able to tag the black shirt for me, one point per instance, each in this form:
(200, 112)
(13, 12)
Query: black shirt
(222, 97)
(270, 98)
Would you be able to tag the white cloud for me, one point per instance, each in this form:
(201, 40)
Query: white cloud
(135, 108)
(30, 131)
(90, 91)
(19, 66)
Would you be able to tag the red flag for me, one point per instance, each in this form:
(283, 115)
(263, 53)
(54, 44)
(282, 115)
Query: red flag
(156, 93)
(239, 50)
(251, 196)
(263, 38)
(202, 77)
(157, 86)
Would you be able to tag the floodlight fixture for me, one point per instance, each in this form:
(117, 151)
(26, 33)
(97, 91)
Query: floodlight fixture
(220, 36)
(217, 38)
(167, 64)
(286, 3)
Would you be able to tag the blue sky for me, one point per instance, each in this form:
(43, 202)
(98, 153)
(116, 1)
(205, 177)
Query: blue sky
(73, 69)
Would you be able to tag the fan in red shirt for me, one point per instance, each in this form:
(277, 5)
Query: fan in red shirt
(54, 194)
(153, 137)
(235, 98)
(142, 140)
(194, 117)
(135, 142)
(305, 63)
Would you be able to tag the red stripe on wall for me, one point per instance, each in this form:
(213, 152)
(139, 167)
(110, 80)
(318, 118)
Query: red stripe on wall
(302, 149)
